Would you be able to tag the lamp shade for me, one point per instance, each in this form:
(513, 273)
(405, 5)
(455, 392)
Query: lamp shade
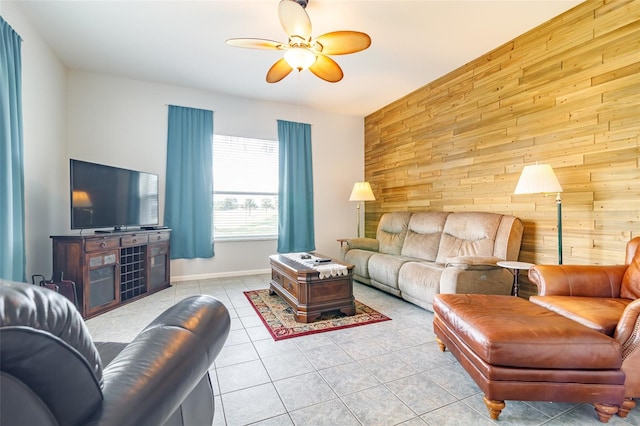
(81, 199)
(536, 179)
(361, 192)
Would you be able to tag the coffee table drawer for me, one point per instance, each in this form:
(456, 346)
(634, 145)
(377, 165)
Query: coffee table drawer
(330, 290)
(285, 282)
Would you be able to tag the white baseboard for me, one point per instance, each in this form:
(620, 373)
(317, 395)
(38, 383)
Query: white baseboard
(218, 275)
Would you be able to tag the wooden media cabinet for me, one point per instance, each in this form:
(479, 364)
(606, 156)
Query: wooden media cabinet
(115, 268)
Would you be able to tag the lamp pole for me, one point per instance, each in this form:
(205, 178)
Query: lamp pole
(540, 179)
(361, 192)
(559, 203)
(358, 219)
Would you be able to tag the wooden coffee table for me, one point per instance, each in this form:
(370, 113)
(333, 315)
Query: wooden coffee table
(309, 295)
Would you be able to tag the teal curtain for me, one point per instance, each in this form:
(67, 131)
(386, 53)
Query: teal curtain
(12, 243)
(295, 203)
(188, 207)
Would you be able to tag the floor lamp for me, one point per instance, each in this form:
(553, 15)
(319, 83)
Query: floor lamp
(537, 179)
(361, 192)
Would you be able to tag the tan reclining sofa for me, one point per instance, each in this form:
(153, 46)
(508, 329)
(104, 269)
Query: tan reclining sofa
(417, 255)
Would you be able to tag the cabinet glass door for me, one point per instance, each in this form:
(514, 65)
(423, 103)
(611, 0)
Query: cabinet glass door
(158, 265)
(102, 280)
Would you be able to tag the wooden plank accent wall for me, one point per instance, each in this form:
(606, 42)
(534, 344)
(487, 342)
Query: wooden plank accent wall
(566, 93)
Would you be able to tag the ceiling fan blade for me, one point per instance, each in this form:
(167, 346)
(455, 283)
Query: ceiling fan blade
(327, 69)
(278, 71)
(343, 42)
(255, 43)
(294, 19)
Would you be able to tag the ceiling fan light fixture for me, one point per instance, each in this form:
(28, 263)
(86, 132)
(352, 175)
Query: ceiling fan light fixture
(299, 58)
(303, 52)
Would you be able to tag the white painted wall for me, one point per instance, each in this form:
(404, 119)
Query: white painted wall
(44, 112)
(73, 114)
(123, 122)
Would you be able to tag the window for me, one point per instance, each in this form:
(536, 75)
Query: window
(148, 195)
(245, 188)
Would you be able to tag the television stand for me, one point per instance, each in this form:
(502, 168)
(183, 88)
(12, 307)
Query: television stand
(113, 267)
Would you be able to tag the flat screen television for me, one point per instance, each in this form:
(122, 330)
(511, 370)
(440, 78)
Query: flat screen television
(111, 197)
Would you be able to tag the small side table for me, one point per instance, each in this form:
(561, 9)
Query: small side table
(343, 240)
(517, 267)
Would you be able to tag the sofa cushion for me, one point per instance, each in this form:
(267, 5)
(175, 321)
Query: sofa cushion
(384, 268)
(392, 230)
(630, 288)
(423, 235)
(360, 261)
(598, 313)
(419, 282)
(468, 234)
(509, 331)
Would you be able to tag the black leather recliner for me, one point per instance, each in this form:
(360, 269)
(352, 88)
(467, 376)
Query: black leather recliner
(52, 373)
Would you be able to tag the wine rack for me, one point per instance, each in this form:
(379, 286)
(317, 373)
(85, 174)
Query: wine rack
(132, 272)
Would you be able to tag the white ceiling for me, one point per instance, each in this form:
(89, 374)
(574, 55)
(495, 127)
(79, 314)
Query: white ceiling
(182, 43)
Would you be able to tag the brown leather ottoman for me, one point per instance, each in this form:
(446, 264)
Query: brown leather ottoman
(516, 350)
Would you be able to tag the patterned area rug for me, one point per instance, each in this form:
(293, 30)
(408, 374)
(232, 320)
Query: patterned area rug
(277, 316)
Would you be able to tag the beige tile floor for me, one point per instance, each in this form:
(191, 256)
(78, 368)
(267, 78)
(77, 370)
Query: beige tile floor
(387, 373)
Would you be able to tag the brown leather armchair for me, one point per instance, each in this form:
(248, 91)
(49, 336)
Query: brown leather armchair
(603, 297)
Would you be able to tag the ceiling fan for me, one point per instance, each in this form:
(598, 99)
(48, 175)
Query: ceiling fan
(302, 51)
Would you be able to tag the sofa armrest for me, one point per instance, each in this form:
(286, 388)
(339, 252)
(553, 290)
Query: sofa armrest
(149, 379)
(578, 280)
(627, 330)
(370, 244)
(473, 262)
(364, 243)
(628, 335)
